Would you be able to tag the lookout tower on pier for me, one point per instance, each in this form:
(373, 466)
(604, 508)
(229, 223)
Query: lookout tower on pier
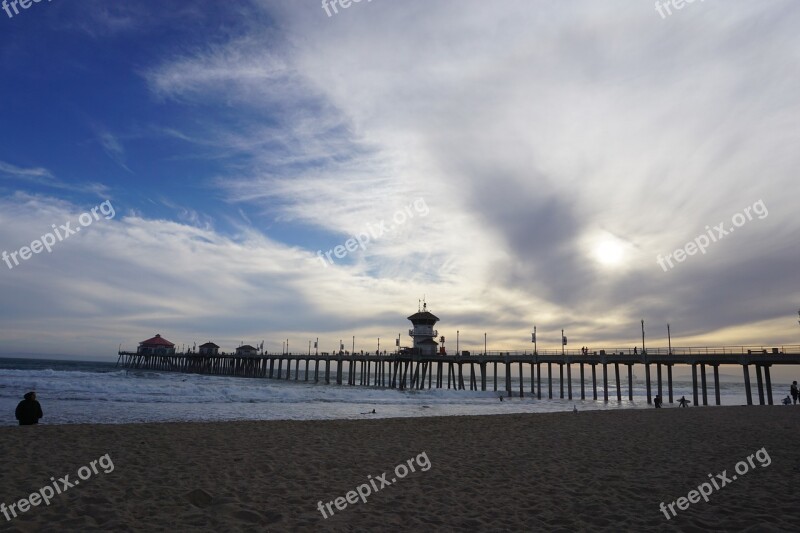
(423, 332)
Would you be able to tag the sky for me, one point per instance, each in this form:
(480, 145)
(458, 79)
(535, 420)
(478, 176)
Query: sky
(271, 170)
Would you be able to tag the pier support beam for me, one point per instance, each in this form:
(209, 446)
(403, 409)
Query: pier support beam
(569, 380)
(616, 374)
(760, 385)
(539, 380)
(694, 384)
(605, 382)
(533, 367)
(561, 377)
(660, 382)
(669, 381)
(522, 381)
(647, 379)
(483, 376)
(508, 379)
(703, 383)
(748, 392)
(495, 376)
(769, 384)
(550, 380)
(594, 381)
(630, 382)
(583, 392)
(716, 384)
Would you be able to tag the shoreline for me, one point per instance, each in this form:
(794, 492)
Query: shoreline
(510, 472)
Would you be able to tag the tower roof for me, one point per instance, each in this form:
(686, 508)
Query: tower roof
(423, 315)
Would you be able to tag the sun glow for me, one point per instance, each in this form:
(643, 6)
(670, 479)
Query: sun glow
(609, 250)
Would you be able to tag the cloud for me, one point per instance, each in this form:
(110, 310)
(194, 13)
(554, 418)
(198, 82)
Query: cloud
(113, 148)
(36, 175)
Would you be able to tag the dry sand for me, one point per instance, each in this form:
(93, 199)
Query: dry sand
(593, 471)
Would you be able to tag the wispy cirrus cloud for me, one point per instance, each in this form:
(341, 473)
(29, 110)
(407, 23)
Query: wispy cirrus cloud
(36, 174)
(44, 177)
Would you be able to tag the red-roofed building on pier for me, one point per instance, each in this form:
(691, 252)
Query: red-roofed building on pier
(158, 345)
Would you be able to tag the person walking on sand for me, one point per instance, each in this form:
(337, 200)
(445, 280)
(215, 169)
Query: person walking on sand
(657, 401)
(683, 402)
(795, 393)
(29, 411)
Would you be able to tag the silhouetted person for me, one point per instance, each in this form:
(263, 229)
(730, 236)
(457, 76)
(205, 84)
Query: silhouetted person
(795, 393)
(28, 410)
(657, 401)
(787, 401)
(683, 402)
(501, 398)
(635, 350)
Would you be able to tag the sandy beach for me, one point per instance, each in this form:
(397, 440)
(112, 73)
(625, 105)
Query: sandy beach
(545, 472)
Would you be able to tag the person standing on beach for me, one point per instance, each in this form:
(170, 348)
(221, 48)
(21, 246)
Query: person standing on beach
(657, 401)
(794, 391)
(29, 411)
(683, 402)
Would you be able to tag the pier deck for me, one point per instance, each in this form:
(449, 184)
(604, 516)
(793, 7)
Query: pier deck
(411, 371)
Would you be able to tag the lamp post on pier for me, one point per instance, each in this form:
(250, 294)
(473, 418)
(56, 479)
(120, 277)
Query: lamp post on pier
(643, 350)
(669, 339)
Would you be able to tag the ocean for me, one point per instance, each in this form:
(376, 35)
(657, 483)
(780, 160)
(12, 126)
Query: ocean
(75, 392)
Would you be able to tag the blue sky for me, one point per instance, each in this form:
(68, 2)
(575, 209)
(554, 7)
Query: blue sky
(558, 149)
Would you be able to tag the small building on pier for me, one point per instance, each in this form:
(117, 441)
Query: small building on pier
(157, 345)
(246, 351)
(209, 348)
(423, 332)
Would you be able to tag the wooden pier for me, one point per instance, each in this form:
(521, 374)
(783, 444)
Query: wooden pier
(404, 371)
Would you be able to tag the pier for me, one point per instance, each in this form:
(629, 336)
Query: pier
(405, 371)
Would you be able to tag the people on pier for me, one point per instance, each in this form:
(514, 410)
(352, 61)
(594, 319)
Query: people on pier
(795, 392)
(29, 411)
(683, 402)
(635, 350)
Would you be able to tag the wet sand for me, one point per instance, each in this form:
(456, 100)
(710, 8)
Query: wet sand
(599, 471)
